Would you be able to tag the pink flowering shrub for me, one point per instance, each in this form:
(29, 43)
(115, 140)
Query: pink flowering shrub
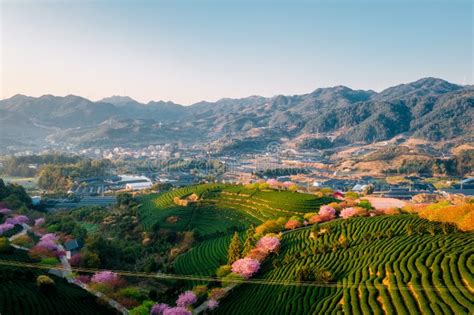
(287, 184)
(177, 311)
(159, 308)
(11, 221)
(186, 299)
(105, 277)
(20, 219)
(5, 211)
(347, 213)
(269, 243)
(5, 227)
(212, 304)
(272, 182)
(39, 221)
(51, 237)
(246, 267)
(327, 213)
(17, 220)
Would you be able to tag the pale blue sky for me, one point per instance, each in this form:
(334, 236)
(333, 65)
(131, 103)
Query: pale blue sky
(187, 51)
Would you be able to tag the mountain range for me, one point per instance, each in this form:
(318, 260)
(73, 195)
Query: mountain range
(431, 109)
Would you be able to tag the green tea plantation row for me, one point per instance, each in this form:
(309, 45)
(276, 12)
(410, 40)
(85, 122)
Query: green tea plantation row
(390, 264)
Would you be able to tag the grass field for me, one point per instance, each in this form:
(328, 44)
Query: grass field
(224, 206)
(401, 274)
(30, 183)
(19, 293)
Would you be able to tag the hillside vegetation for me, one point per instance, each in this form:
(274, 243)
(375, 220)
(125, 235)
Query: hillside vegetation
(429, 108)
(392, 264)
(20, 294)
(223, 207)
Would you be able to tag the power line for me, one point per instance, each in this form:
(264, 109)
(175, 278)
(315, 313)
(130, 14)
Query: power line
(236, 281)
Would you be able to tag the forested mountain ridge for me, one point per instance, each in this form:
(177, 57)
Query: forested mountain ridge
(430, 109)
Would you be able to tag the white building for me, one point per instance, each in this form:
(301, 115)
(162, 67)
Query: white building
(138, 186)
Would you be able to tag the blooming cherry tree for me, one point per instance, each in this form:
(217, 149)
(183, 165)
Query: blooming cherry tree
(347, 213)
(18, 219)
(39, 221)
(159, 308)
(186, 299)
(5, 227)
(107, 277)
(51, 237)
(272, 182)
(269, 243)
(327, 213)
(246, 267)
(177, 311)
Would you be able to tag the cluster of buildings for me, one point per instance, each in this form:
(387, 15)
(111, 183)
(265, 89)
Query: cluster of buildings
(97, 186)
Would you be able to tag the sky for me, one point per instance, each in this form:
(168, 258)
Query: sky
(189, 51)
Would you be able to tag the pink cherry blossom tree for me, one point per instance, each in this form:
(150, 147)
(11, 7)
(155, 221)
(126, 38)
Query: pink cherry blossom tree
(246, 267)
(105, 277)
(347, 213)
(39, 221)
(269, 243)
(177, 311)
(5, 227)
(327, 213)
(159, 308)
(51, 237)
(186, 299)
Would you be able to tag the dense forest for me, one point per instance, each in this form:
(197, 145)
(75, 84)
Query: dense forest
(14, 196)
(55, 172)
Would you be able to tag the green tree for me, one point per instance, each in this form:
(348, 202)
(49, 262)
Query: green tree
(45, 283)
(234, 249)
(249, 240)
(90, 260)
(4, 244)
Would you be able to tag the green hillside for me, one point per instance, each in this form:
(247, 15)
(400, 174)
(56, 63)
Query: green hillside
(19, 293)
(427, 272)
(222, 207)
(204, 259)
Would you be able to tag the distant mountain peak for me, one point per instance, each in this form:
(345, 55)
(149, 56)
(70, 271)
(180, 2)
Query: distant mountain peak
(428, 86)
(118, 100)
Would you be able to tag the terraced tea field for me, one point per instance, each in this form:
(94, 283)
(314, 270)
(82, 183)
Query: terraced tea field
(20, 295)
(224, 206)
(204, 259)
(397, 274)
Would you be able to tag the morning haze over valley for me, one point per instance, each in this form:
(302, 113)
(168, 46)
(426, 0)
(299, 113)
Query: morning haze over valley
(236, 157)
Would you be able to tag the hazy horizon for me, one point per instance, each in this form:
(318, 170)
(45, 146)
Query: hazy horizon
(239, 97)
(174, 51)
